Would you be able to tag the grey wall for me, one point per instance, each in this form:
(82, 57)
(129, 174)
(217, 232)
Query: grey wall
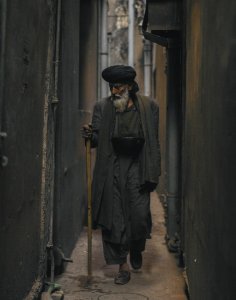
(34, 133)
(24, 187)
(77, 94)
(88, 54)
(209, 149)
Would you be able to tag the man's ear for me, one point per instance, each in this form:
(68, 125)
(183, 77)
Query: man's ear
(130, 87)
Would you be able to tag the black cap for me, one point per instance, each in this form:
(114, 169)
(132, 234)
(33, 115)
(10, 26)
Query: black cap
(119, 74)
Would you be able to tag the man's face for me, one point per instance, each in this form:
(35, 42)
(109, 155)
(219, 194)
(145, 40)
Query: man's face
(120, 96)
(118, 89)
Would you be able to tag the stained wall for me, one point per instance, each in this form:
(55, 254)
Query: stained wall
(209, 149)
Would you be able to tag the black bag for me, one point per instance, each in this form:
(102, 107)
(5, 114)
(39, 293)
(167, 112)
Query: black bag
(130, 146)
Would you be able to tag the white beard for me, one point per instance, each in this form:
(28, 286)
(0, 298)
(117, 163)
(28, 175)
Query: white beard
(120, 101)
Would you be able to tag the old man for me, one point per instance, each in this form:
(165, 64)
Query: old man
(125, 131)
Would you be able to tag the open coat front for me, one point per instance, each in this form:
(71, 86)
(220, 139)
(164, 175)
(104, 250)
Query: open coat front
(103, 124)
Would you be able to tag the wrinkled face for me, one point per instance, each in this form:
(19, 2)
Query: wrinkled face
(120, 95)
(118, 89)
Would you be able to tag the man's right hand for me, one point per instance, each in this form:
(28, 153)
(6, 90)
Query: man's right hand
(87, 131)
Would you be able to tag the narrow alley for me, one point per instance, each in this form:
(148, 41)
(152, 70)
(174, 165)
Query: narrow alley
(145, 91)
(159, 278)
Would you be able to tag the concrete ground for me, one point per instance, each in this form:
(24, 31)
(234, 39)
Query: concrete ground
(159, 278)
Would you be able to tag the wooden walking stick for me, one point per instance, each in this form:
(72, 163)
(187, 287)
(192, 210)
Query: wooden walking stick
(89, 192)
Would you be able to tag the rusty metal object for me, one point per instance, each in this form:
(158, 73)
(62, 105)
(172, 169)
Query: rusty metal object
(89, 193)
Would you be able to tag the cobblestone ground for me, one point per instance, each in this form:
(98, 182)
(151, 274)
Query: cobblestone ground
(159, 278)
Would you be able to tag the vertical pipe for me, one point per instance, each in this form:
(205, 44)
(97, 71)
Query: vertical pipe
(131, 34)
(3, 6)
(3, 135)
(57, 50)
(89, 193)
(38, 283)
(109, 39)
(173, 147)
(147, 68)
(99, 11)
(103, 48)
(54, 103)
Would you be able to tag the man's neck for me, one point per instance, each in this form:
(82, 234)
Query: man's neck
(130, 103)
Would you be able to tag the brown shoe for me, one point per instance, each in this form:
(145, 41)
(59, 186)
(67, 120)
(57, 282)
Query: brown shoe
(122, 277)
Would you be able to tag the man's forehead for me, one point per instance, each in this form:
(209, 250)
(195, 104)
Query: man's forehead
(117, 85)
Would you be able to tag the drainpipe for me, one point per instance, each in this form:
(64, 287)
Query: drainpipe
(54, 102)
(147, 67)
(3, 7)
(3, 134)
(57, 52)
(103, 48)
(109, 39)
(39, 281)
(131, 34)
(52, 286)
(173, 146)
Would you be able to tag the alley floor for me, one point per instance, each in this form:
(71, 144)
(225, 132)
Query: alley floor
(159, 278)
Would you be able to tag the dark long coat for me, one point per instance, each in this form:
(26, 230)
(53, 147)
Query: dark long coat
(103, 124)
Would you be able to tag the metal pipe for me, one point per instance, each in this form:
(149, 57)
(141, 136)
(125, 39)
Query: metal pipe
(3, 135)
(54, 102)
(89, 195)
(131, 34)
(98, 52)
(38, 284)
(103, 48)
(109, 39)
(147, 68)
(2, 57)
(57, 51)
(173, 147)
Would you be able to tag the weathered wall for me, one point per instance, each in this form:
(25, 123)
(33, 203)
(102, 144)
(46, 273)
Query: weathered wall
(88, 54)
(209, 149)
(77, 93)
(25, 181)
(27, 87)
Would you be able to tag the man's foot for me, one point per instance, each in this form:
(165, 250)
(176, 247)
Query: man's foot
(136, 259)
(123, 275)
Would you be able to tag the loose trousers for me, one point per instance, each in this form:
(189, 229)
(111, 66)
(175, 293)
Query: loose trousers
(131, 217)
